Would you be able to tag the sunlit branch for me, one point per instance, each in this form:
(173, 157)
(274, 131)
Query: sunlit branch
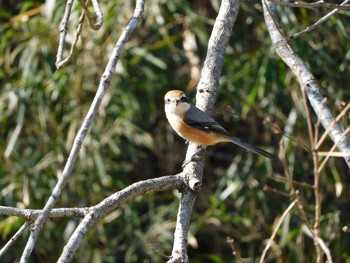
(31, 214)
(206, 94)
(102, 209)
(64, 28)
(14, 238)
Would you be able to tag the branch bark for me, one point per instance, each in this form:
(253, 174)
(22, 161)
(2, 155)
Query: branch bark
(306, 80)
(206, 95)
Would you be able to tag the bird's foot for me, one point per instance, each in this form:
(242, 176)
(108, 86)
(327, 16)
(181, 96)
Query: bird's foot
(195, 157)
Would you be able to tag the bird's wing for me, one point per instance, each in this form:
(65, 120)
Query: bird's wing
(196, 118)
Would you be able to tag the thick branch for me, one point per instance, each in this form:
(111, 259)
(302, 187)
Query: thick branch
(101, 91)
(99, 211)
(206, 95)
(306, 80)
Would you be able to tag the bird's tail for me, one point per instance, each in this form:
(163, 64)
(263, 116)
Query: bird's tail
(250, 147)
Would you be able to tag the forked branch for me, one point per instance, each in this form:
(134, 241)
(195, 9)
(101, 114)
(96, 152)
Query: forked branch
(306, 79)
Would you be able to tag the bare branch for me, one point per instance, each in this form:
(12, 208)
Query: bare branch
(14, 238)
(61, 63)
(319, 22)
(306, 80)
(98, 13)
(318, 240)
(179, 253)
(280, 221)
(333, 154)
(31, 214)
(73, 155)
(318, 4)
(99, 16)
(330, 153)
(336, 120)
(99, 211)
(206, 95)
(64, 30)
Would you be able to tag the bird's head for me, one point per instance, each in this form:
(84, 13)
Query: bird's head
(176, 102)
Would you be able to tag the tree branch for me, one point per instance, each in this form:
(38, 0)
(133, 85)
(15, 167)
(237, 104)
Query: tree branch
(273, 235)
(100, 210)
(99, 16)
(64, 27)
(206, 95)
(319, 22)
(318, 4)
(101, 91)
(14, 238)
(31, 214)
(306, 80)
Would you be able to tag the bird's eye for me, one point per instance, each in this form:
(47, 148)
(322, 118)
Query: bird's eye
(168, 100)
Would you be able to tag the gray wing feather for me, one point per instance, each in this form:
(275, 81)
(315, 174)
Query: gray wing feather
(201, 120)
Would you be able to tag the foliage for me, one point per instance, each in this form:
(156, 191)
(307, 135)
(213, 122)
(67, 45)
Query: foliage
(41, 109)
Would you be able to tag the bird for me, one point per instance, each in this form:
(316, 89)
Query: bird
(196, 126)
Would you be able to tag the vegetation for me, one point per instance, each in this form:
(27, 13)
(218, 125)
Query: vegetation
(244, 195)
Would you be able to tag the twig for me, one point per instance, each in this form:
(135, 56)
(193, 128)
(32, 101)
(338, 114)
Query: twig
(73, 155)
(276, 191)
(14, 238)
(280, 221)
(316, 187)
(64, 30)
(282, 179)
(336, 120)
(206, 94)
(100, 210)
(231, 242)
(319, 22)
(314, 5)
(331, 152)
(325, 249)
(98, 13)
(282, 157)
(61, 63)
(316, 239)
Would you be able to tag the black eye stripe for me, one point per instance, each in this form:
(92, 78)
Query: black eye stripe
(183, 99)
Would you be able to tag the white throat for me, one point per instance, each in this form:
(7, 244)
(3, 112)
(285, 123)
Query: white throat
(177, 110)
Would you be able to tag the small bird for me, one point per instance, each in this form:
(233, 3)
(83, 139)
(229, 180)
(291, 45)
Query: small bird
(196, 126)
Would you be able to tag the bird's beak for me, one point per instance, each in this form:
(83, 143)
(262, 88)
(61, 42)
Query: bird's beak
(177, 102)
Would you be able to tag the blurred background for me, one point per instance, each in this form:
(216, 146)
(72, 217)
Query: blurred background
(41, 110)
